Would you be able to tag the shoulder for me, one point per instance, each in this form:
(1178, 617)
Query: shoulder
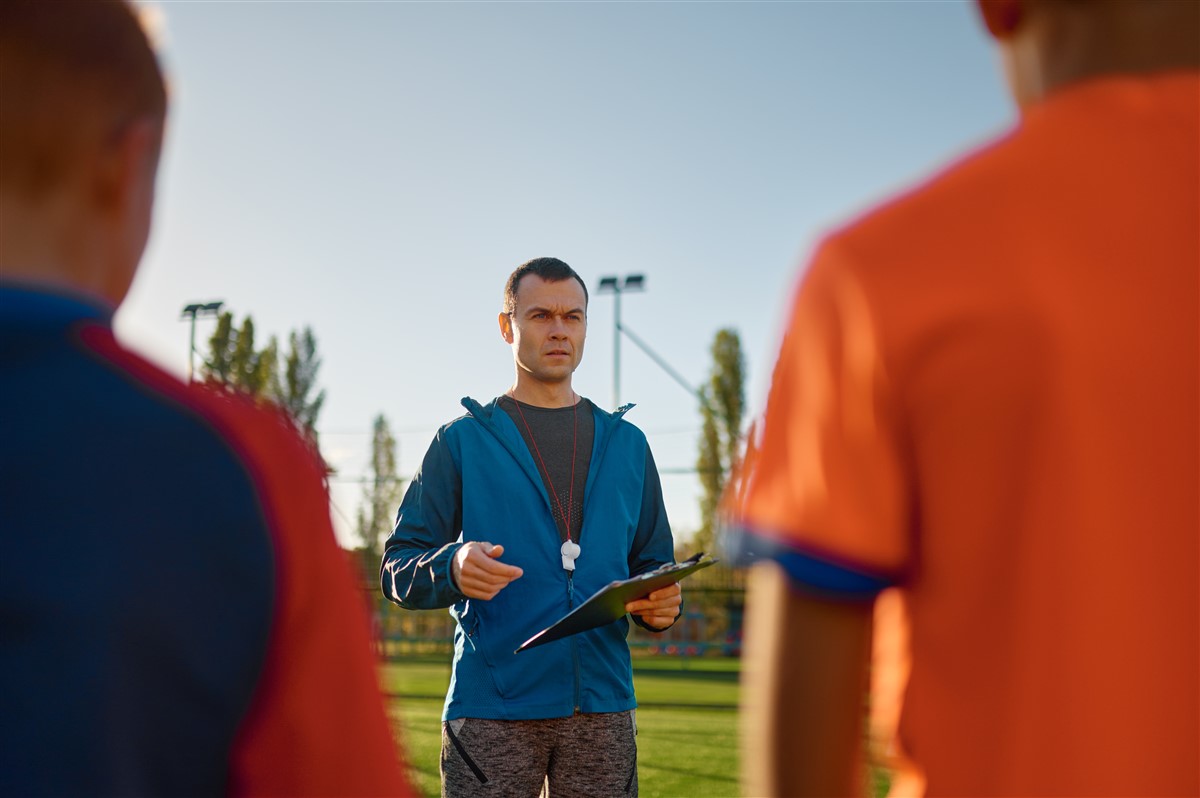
(618, 425)
(264, 435)
(258, 435)
(942, 214)
(455, 432)
(464, 432)
(457, 426)
(233, 418)
(993, 194)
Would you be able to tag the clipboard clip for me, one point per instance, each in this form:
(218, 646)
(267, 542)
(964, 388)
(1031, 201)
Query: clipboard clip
(673, 566)
(608, 604)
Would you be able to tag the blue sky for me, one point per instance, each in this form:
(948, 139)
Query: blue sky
(375, 170)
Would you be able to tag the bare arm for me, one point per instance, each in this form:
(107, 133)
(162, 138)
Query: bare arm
(804, 681)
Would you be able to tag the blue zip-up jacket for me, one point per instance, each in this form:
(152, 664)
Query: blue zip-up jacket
(479, 482)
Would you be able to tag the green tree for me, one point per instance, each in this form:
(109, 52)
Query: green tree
(722, 405)
(233, 360)
(218, 366)
(381, 493)
(299, 380)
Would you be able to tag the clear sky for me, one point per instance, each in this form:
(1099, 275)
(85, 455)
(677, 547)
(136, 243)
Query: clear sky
(376, 169)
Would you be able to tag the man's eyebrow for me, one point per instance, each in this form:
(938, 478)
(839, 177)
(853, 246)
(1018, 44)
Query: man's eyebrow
(540, 309)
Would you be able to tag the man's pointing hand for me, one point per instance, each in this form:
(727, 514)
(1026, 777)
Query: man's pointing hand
(479, 573)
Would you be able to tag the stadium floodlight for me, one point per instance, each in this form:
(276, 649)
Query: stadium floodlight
(191, 311)
(617, 286)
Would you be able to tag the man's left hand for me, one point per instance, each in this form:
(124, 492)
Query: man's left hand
(660, 608)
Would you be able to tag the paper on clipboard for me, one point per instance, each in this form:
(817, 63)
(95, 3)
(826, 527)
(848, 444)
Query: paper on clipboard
(608, 603)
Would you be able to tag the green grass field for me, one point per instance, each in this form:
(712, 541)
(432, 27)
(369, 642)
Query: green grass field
(687, 723)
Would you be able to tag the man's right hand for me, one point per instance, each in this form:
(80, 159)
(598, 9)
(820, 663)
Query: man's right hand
(479, 573)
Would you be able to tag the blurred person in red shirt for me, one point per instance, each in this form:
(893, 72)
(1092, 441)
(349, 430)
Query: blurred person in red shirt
(987, 397)
(176, 616)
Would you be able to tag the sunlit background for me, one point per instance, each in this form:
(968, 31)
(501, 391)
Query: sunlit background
(375, 170)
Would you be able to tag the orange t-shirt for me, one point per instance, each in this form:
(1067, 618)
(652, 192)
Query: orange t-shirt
(988, 394)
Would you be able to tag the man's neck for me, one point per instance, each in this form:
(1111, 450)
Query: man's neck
(540, 394)
(49, 243)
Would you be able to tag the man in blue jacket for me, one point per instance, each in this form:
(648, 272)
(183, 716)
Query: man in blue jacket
(569, 496)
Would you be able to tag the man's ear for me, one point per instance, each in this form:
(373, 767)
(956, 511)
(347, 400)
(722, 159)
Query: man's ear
(506, 330)
(1002, 17)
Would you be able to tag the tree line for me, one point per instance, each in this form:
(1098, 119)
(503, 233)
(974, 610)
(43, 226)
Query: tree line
(234, 362)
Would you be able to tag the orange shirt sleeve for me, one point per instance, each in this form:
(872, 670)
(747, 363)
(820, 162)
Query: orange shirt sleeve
(826, 474)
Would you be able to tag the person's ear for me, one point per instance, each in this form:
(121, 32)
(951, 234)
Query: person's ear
(506, 330)
(1002, 17)
(124, 167)
(120, 186)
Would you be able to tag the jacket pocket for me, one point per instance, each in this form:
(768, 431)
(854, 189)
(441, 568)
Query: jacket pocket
(536, 676)
(462, 750)
(474, 687)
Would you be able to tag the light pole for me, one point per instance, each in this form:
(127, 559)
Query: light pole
(616, 287)
(192, 311)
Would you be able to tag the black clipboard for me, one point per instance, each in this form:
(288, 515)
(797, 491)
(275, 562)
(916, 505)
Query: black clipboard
(608, 603)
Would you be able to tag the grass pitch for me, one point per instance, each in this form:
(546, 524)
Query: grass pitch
(687, 723)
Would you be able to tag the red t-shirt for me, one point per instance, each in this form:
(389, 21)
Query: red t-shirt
(316, 724)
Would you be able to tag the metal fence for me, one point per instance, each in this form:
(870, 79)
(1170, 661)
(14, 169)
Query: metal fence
(711, 622)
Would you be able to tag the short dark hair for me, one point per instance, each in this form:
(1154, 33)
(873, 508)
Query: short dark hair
(551, 270)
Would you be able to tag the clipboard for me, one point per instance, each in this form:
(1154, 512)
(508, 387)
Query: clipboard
(608, 603)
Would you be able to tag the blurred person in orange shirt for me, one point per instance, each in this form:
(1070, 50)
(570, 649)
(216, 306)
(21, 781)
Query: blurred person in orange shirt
(176, 616)
(987, 397)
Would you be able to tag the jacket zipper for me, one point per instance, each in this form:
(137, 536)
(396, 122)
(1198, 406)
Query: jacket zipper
(471, 405)
(616, 417)
(592, 471)
(574, 641)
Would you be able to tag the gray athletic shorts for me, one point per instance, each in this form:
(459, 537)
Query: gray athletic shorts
(584, 755)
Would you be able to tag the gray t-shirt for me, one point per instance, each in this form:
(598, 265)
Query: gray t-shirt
(553, 434)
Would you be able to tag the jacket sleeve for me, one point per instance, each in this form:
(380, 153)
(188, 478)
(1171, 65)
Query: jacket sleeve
(415, 572)
(653, 544)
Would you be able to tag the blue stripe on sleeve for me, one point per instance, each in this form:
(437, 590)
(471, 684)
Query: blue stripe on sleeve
(806, 570)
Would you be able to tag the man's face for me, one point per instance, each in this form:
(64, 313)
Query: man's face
(547, 328)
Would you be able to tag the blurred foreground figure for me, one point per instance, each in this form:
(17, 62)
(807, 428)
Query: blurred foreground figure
(176, 617)
(987, 396)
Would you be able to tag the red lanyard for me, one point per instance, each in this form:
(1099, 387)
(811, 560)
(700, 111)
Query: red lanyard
(566, 519)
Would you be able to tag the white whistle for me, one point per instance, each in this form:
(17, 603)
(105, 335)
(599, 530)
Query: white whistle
(570, 550)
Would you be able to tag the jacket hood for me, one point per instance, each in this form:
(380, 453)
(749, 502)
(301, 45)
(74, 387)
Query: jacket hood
(484, 412)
